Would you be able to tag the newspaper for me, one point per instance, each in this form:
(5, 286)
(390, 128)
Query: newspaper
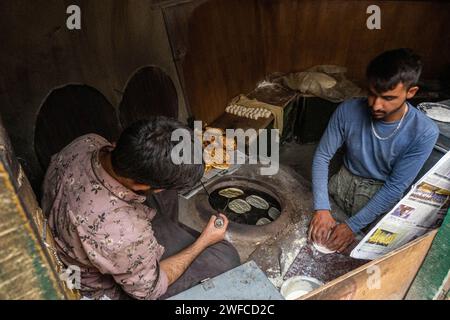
(421, 210)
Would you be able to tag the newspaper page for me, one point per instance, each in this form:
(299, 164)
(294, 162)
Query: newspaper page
(421, 210)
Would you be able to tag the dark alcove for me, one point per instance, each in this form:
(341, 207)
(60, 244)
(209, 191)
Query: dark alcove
(70, 112)
(149, 92)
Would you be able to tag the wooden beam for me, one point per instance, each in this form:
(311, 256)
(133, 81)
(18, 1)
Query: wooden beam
(25, 273)
(27, 269)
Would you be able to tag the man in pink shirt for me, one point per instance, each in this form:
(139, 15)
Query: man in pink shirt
(95, 197)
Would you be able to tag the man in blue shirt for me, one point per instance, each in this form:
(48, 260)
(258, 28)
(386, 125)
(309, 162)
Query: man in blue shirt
(386, 142)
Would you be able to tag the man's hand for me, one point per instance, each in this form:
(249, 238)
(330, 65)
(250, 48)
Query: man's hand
(341, 237)
(321, 225)
(174, 266)
(211, 235)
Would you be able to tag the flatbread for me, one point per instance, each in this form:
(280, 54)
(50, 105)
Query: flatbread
(239, 206)
(262, 221)
(257, 202)
(274, 213)
(231, 192)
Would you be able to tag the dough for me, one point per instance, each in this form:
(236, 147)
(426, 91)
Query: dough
(257, 202)
(231, 192)
(322, 249)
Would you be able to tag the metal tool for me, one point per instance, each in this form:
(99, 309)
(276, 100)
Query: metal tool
(218, 223)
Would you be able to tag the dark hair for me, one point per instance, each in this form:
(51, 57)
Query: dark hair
(143, 153)
(390, 68)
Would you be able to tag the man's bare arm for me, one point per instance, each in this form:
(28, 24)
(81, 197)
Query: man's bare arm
(177, 264)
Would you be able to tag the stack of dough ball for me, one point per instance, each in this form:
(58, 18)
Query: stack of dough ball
(251, 113)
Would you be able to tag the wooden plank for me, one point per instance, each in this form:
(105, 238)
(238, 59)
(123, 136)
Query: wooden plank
(26, 272)
(219, 52)
(176, 18)
(116, 39)
(28, 269)
(395, 272)
(433, 278)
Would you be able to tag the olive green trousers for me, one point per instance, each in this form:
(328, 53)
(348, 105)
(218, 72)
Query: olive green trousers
(350, 192)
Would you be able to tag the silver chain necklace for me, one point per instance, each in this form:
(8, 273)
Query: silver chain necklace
(393, 132)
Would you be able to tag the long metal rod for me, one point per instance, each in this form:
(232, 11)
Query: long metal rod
(209, 196)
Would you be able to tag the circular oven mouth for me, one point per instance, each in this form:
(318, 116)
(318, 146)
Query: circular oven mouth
(247, 202)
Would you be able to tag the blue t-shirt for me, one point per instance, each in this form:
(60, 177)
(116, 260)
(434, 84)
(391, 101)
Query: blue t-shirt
(396, 161)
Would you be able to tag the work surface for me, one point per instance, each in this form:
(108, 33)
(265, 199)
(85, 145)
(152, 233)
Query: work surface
(291, 254)
(246, 282)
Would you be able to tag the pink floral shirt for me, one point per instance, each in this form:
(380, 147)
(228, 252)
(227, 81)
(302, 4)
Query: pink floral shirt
(101, 226)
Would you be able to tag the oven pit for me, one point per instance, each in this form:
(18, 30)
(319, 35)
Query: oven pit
(287, 197)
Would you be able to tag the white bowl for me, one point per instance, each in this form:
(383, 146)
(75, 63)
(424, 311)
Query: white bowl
(295, 287)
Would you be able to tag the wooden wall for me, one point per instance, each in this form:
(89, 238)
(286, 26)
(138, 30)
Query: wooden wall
(224, 47)
(211, 49)
(39, 54)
